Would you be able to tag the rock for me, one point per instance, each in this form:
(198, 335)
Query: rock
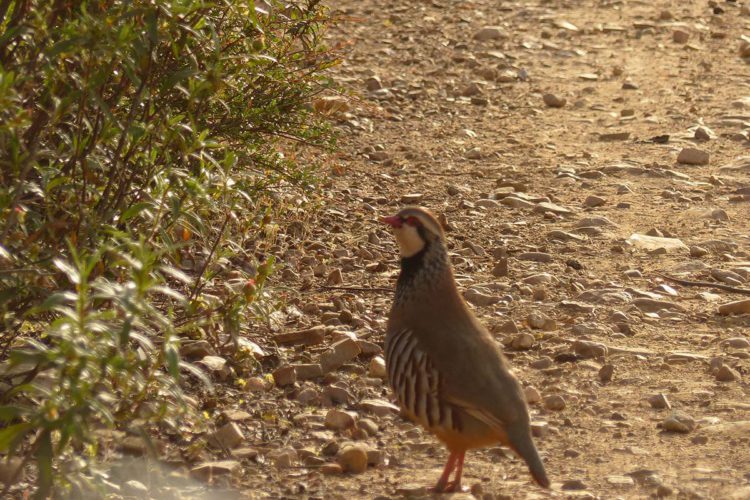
(554, 402)
(507, 327)
(368, 425)
(738, 307)
(135, 488)
(197, 350)
(286, 375)
(412, 198)
(693, 156)
(678, 421)
(664, 491)
(536, 257)
(244, 453)
(330, 469)
(553, 101)
(737, 343)
(473, 154)
(208, 470)
(606, 372)
(651, 243)
(309, 336)
(532, 394)
(490, 33)
(378, 407)
(377, 368)
(335, 278)
(594, 222)
(703, 134)
(307, 371)
(339, 353)
(588, 349)
(697, 252)
(480, 299)
(373, 83)
(545, 206)
(501, 268)
(539, 321)
(352, 458)
(727, 374)
(339, 420)
(573, 484)
(11, 471)
(522, 342)
(594, 201)
(216, 365)
(680, 36)
(283, 458)
(652, 305)
(257, 384)
(659, 402)
(330, 105)
(228, 436)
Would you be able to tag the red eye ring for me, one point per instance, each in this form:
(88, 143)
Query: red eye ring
(412, 221)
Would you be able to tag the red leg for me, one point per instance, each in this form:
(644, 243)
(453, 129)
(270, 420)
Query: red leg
(449, 466)
(456, 484)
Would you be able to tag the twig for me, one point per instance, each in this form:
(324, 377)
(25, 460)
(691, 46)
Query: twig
(356, 288)
(708, 284)
(198, 283)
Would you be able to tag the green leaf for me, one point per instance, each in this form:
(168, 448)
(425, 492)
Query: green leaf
(45, 473)
(134, 210)
(70, 271)
(10, 436)
(8, 413)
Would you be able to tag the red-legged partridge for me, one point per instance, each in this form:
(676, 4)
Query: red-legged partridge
(446, 371)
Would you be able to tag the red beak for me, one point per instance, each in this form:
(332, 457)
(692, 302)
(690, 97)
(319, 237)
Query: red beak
(393, 221)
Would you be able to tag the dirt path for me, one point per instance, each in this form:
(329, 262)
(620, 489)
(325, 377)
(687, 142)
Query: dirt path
(461, 125)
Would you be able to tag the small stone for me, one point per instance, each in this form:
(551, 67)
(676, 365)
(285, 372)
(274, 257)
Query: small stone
(412, 198)
(542, 363)
(573, 484)
(283, 458)
(339, 353)
(680, 36)
(594, 201)
(373, 83)
(339, 419)
(307, 371)
(135, 488)
(208, 470)
(330, 469)
(659, 402)
(368, 425)
(678, 422)
(606, 372)
(539, 321)
(738, 307)
(571, 453)
(697, 252)
(532, 394)
(522, 342)
(553, 101)
(664, 491)
(703, 134)
(536, 257)
(216, 365)
(353, 458)
(554, 402)
(737, 343)
(11, 471)
(651, 243)
(501, 268)
(588, 349)
(490, 33)
(727, 374)
(377, 368)
(473, 154)
(507, 327)
(335, 278)
(308, 336)
(693, 156)
(228, 436)
(286, 375)
(480, 299)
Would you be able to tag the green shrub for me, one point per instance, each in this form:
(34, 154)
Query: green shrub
(145, 147)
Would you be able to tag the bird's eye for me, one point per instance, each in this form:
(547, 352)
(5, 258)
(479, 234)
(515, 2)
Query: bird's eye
(412, 221)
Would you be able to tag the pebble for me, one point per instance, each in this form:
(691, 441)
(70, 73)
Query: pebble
(522, 342)
(536, 257)
(588, 349)
(553, 101)
(207, 470)
(659, 402)
(678, 421)
(308, 336)
(352, 458)
(727, 374)
(339, 353)
(737, 307)
(697, 252)
(490, 33)
(340, 419)
(554, 402)
(532, 394)
(9, 471)
(480, 299)
(680, 36)
(228, 436)
(606, 372)
(573, 484)
(693, 156)
(285, 375)
(330, 469)
(377, 368)
(594, 201)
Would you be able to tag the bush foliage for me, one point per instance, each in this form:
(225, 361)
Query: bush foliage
(144, 147)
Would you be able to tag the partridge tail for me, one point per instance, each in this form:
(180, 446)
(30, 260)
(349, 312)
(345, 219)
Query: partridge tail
(520, 441)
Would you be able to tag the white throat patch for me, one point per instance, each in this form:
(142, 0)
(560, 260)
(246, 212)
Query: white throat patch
(409, 241)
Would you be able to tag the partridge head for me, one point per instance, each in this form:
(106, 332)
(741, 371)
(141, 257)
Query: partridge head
(446, 371)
